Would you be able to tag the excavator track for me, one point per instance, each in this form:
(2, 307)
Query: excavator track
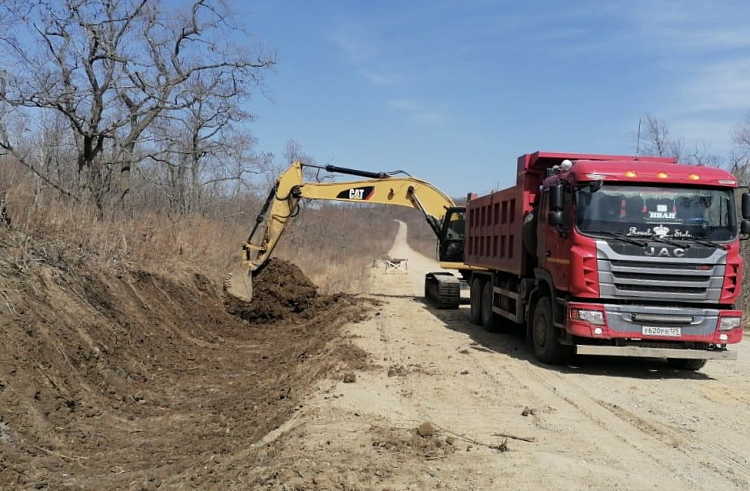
(442, 290)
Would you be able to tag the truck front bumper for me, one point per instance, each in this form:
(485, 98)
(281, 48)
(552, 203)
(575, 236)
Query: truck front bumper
(644, 352)
(640, 330)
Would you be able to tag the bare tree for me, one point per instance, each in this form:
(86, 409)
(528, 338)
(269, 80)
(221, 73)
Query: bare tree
(740, 159)
(293, 152)
(196, 160)
(110, 69)
(656, 139)
(702, 155)
(199, 146)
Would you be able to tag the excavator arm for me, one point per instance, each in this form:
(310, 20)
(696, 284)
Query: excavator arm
(282, 204)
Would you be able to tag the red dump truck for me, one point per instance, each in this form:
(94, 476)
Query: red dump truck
(611, 255)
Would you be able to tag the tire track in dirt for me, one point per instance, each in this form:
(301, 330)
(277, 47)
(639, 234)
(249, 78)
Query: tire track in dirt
(602, 420)
(725, 395)
(567, 407)
(734, 463)
(610, 417)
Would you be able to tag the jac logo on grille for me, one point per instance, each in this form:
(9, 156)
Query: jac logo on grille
(664, 251)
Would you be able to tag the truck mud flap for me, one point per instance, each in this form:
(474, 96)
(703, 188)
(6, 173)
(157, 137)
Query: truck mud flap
(637, 351)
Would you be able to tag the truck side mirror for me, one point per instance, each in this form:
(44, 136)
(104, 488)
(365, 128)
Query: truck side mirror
(745, 227)
(555, 218)
(557, 192)
(746, 206)
(596, 185)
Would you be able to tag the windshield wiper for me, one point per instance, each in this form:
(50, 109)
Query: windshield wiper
(663, 240)
(697, 240)
(622, 237)
(707, 242)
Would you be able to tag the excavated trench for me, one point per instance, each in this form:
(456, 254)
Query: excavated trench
(125, 379)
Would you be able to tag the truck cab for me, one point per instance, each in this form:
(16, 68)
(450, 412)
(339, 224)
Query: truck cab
(624, 256)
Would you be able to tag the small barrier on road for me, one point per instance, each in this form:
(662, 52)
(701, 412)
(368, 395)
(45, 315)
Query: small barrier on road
(394, 265)
(391, 265)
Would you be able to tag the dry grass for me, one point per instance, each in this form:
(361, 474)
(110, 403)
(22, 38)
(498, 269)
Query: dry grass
(333, 245)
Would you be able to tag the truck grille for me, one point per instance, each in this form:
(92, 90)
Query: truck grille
(660, 279)
(647, 288)
(640, 276)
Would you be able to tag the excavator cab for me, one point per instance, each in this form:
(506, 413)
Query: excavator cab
(451, 236)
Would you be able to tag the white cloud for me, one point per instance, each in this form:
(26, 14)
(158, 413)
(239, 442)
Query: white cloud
(418, 112)
(354, 43)
(429, 118)
(377, 78)
(364, 52)
(405, 104)
(717, 86)
(673, 25)
(701, 53)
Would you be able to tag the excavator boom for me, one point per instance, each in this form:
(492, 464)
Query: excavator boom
(282, 204)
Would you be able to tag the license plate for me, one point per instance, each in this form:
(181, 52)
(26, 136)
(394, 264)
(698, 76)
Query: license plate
(672, 332)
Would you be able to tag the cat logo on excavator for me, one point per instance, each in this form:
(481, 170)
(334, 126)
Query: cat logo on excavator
(359, 194)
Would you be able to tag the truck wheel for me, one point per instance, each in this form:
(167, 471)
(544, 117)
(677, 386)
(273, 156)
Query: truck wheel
(475, 300)
(489, 318)
(686, 364)
(547, 347)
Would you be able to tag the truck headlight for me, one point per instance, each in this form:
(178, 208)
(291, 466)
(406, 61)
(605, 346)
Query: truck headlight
(729, 323)
(592, 316)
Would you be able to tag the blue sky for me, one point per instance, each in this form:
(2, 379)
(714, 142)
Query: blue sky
(453, 92)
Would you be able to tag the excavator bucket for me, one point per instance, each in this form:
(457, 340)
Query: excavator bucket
(239, 284)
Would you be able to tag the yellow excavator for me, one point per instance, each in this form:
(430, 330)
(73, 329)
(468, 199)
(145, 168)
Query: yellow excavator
(442, 289)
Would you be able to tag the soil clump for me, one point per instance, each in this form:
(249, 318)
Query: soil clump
(282, 292)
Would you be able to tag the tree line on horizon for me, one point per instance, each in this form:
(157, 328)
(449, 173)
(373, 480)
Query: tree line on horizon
(128, 106)
(657, 140)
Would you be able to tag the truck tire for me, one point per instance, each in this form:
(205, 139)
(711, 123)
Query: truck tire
(475, 300)
(547, 346)
(686, 364)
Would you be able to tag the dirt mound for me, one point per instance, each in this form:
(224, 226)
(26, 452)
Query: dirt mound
(281, 291)
(119, 378)
(379, 453)
(424, 440)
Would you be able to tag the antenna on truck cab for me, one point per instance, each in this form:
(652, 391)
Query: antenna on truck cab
(638, 141)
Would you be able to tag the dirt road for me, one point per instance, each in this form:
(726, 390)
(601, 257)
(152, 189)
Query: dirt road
(448, 406)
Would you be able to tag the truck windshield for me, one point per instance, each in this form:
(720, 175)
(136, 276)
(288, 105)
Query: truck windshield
(643, 211)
